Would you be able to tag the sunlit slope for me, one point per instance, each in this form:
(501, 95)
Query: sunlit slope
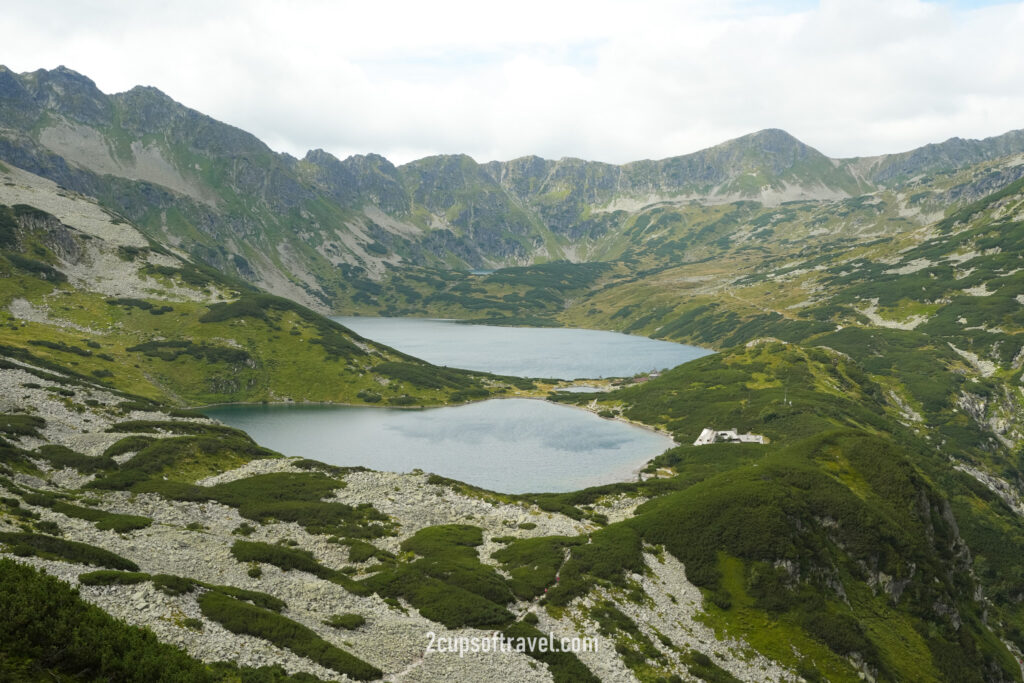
(935, 315)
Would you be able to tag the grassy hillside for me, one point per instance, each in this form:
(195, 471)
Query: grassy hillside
(848, 530)
(144, 320)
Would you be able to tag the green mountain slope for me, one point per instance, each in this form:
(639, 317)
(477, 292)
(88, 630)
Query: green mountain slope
(89, 291)
(849, 529)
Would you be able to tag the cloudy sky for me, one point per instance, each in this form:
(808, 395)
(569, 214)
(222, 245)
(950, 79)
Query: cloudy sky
(600, 79)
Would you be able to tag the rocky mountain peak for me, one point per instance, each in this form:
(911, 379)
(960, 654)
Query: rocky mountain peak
(67, 92)
(357, 179)
(11, 87)
(320, 157)
(772, 138)
(63, 76)
(772, 148)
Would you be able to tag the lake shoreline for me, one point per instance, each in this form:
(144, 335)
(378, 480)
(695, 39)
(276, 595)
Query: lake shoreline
(632, 476)
(552, 451)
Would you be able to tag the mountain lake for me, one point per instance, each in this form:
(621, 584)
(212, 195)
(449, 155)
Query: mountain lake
(506, 445)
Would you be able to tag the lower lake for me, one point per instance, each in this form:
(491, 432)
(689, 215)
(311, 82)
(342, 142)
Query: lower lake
(506, 445)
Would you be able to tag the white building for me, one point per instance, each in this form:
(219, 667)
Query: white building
(709, 435)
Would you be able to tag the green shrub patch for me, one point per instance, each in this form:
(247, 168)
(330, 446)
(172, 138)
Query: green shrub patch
(49, 633)
(105, 577)
(69, 551)
(281, 557)
(162, 455)
(173, 585)
(105, 521)
(349, 622)
(21, 425)
(173, 349)
(447, 583)
(61, 456)
(241, 617)
(534, 563)
(286, 497)
(565, 667)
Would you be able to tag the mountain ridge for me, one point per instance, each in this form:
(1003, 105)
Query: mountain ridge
(323, 230)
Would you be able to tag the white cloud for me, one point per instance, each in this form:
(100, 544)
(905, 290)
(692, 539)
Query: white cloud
(606, 80)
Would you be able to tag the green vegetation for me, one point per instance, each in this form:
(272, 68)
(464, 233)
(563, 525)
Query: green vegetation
(734, 514)
(179, 585)
(361, 551)
(61, 456)
(417, 375)
(242, 617)
(43, 271)
(252, 347)
(172, 350)
(349, 622)
(610, 554)
(173, 585)
(292, 558)
(105, 577)
(534, 563)
(635, 648)
(21, 425)
(286, 497)
(69, 551)
(701, 666)
(875, 357)
(105, 521)
(565, 667)
(180, 458)
(261, 600)
(141, 304)
(47, 630)
(447, 582)
(280, 556)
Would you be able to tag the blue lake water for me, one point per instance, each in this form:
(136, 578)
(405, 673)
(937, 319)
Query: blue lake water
(562, 353)
(507, 445)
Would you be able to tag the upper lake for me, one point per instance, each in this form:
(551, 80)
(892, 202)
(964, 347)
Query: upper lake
(562, 353)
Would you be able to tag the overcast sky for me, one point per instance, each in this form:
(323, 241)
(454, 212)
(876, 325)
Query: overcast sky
(600, 79)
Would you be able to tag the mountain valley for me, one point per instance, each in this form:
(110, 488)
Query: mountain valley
(867, 316)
